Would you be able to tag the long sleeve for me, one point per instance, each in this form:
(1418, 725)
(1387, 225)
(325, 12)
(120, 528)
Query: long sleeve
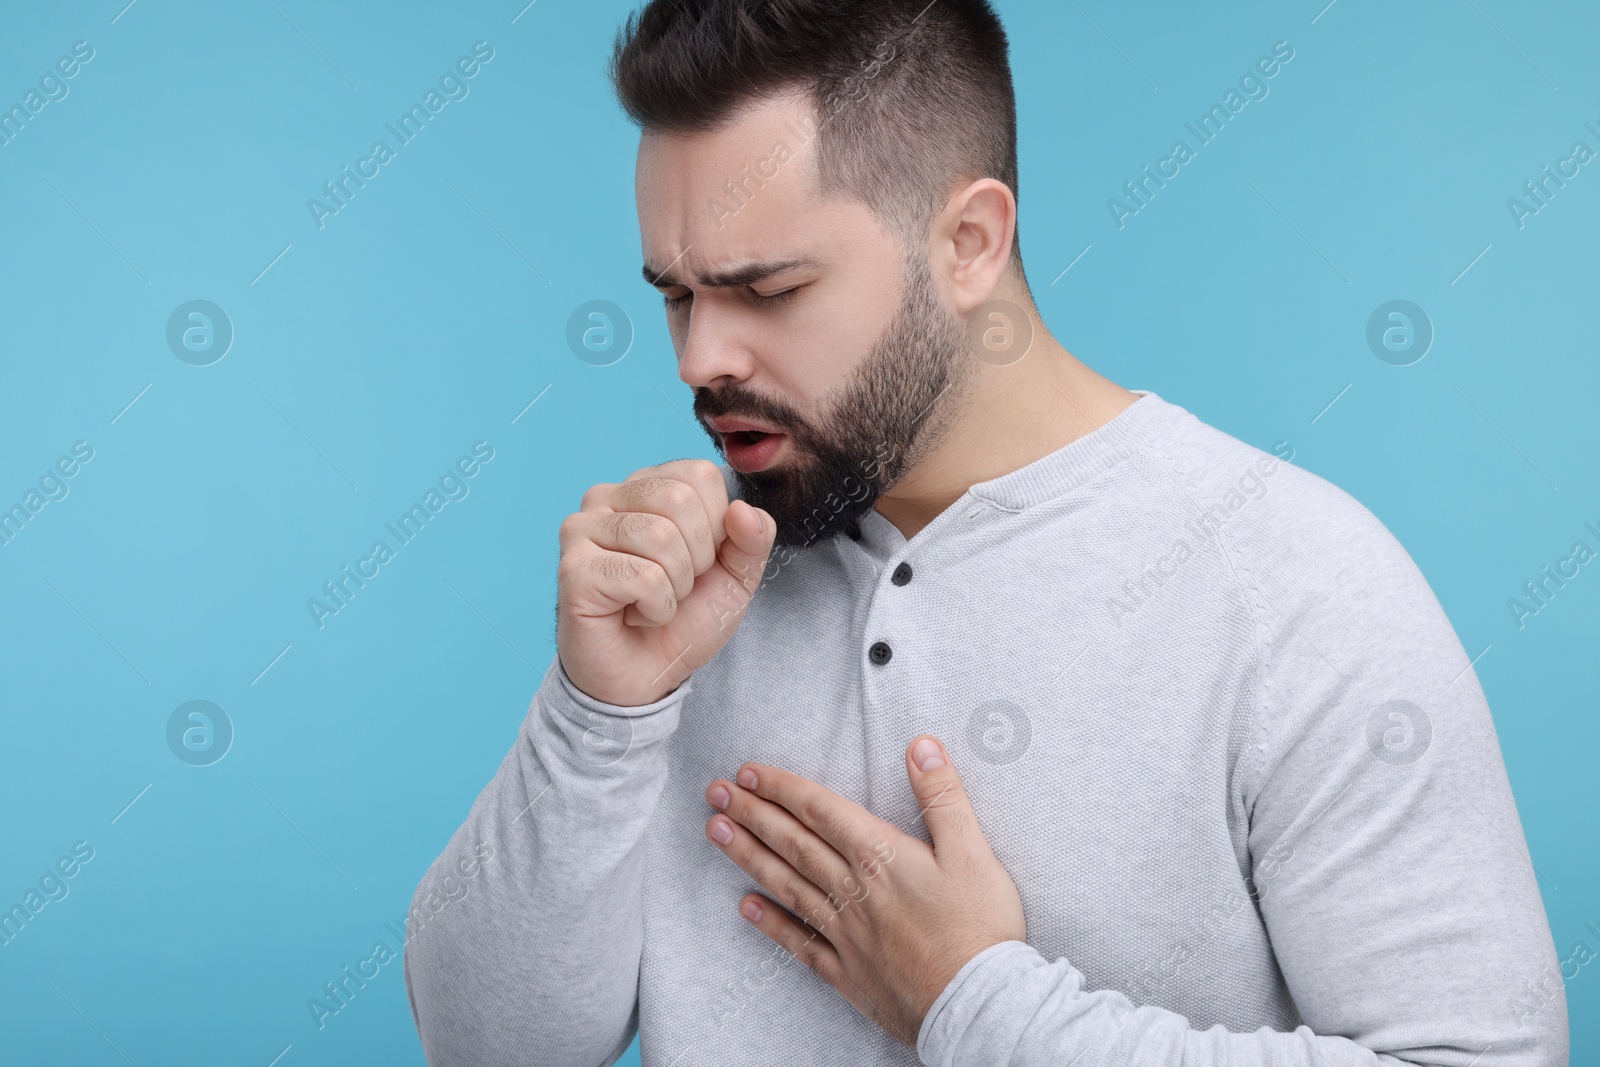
(524, 938)
(1386, 858)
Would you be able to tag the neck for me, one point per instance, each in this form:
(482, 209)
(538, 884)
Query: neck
(1006, 418)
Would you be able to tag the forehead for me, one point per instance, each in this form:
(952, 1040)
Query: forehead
(741, 193)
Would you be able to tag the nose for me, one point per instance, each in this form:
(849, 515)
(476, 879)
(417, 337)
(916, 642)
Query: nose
(712, 352)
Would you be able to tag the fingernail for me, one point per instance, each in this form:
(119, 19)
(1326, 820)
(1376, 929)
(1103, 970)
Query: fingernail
(751, 910)
(927, 755)
(721, 832)
(718, 797)
(747, 778)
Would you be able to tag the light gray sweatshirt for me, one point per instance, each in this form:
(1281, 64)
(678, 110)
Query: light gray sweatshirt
(1213, 722)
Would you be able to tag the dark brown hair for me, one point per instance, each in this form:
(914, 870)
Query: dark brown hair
(911, 98)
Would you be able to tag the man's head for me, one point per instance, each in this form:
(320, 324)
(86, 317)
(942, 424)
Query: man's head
(825, 189)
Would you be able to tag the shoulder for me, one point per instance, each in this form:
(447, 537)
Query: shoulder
(1294, 537)
(1347, 627)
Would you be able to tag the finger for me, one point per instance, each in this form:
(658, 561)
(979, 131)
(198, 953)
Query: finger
(597, 497)
(705, 477)
(639, 533)
(678, 501)
(772, 873)
(786, 836)
(853, 831)
(810, 948)
(596, 582)
(945, 806)
(743, 554)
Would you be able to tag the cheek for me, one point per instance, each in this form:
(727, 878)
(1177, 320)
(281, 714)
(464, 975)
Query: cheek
(824, 348)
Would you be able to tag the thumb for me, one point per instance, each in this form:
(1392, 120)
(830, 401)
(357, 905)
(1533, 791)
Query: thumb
(943, 799)
(743, 553)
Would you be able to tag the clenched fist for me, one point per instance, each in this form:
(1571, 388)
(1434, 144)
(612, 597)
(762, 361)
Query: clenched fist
(655, 574)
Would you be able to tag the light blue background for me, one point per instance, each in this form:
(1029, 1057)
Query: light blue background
(429, 312)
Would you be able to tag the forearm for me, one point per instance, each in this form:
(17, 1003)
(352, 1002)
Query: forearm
(1010, 1005)
(535, 953)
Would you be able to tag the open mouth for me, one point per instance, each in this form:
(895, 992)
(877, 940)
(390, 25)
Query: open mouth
(751, 450)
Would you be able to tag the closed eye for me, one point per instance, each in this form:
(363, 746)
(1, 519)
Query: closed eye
(672, 303)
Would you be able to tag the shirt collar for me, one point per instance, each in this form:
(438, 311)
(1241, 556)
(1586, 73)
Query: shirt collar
(1044, 479)
(1053, 475)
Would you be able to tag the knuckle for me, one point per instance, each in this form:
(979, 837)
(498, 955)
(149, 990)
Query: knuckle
(792, 843)
(814, 919)
(812, 956)
(739, 850)
(813, 812)
(708, 474)
(679, 494)
(656, 532)
(652, 576)
(650, 583)
(571, 528)
(792, 898)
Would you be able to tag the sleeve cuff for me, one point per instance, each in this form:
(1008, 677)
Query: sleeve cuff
(992, 982)
(608, 731)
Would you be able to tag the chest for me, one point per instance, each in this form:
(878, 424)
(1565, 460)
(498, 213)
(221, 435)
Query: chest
(1104, 778)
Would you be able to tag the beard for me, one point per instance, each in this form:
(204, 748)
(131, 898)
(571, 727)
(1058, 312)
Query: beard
(883, 422)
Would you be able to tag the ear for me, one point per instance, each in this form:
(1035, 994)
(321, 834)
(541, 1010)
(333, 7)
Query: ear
(972, 239)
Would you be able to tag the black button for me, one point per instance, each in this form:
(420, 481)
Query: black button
(880, 652)
(901, 575)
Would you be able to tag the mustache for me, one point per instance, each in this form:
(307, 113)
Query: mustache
(738, 402)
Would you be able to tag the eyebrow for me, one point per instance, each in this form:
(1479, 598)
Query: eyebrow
(733, 277)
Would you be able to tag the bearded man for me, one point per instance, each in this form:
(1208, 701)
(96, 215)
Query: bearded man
(978, 710)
